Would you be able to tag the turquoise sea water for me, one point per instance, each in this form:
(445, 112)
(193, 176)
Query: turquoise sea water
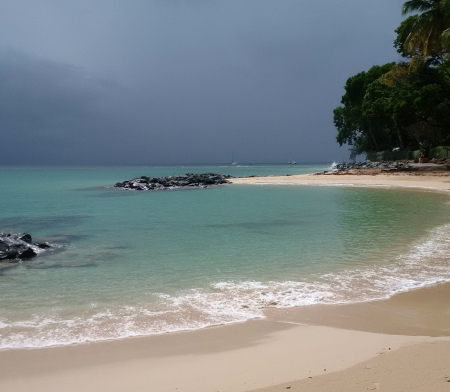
(134, 263)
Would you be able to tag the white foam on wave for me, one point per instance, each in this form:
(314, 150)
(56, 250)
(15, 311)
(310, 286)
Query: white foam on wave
(427, 263)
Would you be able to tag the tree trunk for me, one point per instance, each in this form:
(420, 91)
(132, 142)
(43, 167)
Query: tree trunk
(373, 137)
(399, 133)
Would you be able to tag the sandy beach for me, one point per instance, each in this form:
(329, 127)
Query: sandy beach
(400, 344)
(437, 181)
(273, 354)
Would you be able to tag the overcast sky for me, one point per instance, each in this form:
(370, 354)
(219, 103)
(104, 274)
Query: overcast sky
(182, 81)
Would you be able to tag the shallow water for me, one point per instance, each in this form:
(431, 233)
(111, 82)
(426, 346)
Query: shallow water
(136, 263)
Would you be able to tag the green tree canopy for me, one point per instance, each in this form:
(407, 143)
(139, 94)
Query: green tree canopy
(353, 127)
(415, 98)
(404, 105)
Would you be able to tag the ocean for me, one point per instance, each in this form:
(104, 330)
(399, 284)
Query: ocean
(129, 263)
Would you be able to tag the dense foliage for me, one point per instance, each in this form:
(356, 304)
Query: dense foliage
(407, 104)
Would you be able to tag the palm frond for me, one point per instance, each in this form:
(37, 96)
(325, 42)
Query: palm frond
(423, 33)
(446, 39)
(419, 5)
(445, 7)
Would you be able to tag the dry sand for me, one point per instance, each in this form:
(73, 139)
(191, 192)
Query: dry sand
(356, 347)
(236, 358)
(420, 368)
(439, 180)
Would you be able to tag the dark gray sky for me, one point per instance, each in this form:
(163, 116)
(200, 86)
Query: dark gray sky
(182, 81)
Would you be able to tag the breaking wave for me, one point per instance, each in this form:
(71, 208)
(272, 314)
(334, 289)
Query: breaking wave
(427, 263)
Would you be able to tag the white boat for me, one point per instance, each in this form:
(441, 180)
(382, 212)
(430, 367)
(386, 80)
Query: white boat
(233, 162)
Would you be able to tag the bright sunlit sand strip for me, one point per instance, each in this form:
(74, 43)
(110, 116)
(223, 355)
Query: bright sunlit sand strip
(241, 357)
(439, 182)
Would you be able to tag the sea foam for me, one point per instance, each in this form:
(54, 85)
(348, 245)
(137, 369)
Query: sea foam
(426, 263)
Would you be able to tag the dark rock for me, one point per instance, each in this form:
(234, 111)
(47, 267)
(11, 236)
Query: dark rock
(389, 166)
(145, 183)
(19, 246)
(28, 253)
(26, 237)
(9, 255)
(42, 245)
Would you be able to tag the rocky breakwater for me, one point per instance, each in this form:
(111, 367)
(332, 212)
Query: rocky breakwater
(188, 180)
(15, 247)
(384, 166)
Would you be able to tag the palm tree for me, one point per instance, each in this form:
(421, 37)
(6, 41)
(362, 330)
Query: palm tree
(427, 33)
(446, 33)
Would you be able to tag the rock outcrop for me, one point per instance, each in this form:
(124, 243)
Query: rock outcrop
(189, 180)
(15, 247)
(394, 166)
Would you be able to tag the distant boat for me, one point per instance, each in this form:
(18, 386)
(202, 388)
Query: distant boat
(233, 162)
(292, 162)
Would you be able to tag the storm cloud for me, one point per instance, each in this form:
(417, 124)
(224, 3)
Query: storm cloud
(182, 81)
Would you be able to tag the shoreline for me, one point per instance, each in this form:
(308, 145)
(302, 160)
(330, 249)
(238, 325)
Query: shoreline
(241, 357)
(427, 180)
(309, 344)
(408, 331)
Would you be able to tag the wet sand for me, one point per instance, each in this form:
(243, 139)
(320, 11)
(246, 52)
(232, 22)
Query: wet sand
(241, 357)
(262, 353)
(424, 312)
(420, 367)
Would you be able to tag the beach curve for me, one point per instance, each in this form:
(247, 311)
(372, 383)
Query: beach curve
(260, 353)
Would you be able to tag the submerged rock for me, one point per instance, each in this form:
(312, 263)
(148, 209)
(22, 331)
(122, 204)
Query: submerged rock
(188, 180)
(15, 247)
